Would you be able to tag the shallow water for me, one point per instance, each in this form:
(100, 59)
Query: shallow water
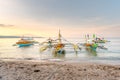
(109, 56)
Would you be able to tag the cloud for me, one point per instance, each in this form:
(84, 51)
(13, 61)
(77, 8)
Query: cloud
(6, 25)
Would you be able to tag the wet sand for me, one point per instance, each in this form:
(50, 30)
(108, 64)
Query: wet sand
(49, 70)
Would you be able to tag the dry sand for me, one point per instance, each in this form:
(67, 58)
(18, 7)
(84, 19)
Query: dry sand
(31, 70)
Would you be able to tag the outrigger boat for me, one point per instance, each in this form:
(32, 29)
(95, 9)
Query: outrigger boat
(25, 41)
(57, 45)
(88, 44)
(93, 45)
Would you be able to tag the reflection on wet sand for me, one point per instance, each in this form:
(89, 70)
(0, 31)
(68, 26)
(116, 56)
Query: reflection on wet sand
(91, 52)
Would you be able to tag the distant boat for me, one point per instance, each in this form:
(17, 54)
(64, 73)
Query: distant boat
(25, 41)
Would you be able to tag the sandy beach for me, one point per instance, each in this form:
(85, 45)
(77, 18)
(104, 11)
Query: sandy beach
(49, 70)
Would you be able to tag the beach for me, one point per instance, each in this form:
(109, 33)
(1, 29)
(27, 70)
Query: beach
(57, 70)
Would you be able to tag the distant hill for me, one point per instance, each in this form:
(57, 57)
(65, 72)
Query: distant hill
(15, 37)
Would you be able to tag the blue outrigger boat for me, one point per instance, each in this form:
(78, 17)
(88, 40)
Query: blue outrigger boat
(25, 42)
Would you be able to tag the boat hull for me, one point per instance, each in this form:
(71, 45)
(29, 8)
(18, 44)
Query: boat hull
(59, 53)
(24, 45)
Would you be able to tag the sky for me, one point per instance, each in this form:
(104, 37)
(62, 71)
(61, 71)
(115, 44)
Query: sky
(74, 18)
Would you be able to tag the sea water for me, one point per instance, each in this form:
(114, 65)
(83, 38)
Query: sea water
(111, 55)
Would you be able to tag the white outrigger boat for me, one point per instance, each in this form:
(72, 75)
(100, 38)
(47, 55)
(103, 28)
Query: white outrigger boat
(57, 45)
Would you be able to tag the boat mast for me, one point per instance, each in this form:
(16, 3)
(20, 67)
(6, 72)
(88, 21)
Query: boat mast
(59, 37)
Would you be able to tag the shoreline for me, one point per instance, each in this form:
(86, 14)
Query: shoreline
(52, 70)
(108, 62)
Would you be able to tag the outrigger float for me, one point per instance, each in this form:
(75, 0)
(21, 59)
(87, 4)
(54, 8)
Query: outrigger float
(98, 39)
